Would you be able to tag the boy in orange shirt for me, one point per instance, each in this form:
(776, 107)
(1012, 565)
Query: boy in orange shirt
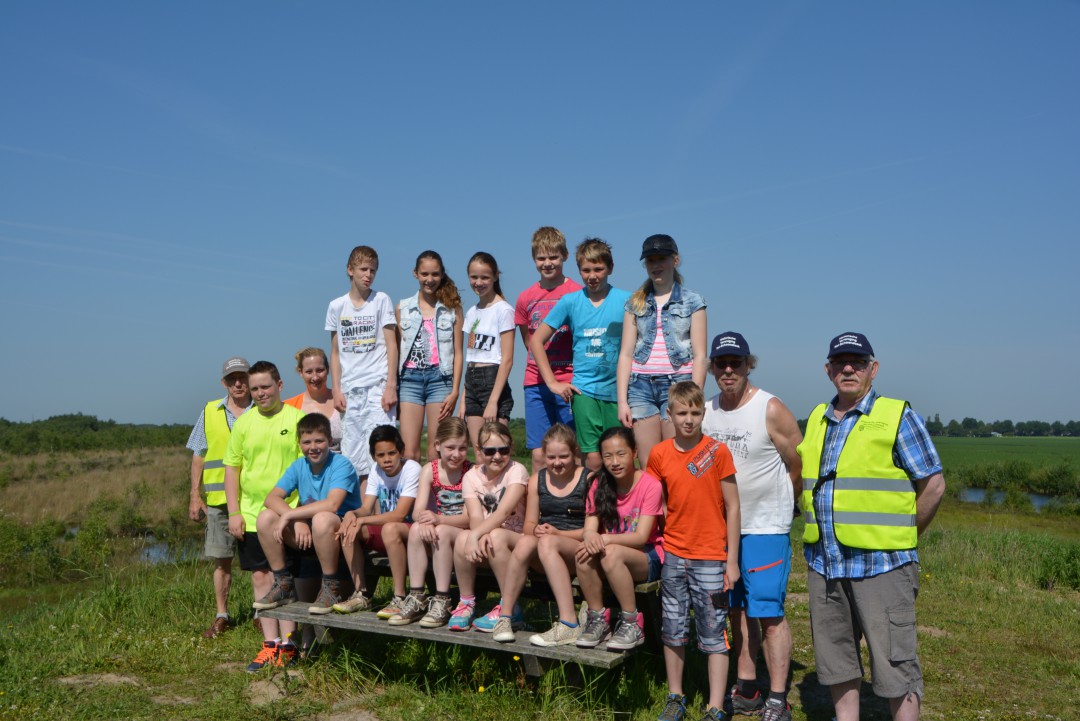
(701, 531)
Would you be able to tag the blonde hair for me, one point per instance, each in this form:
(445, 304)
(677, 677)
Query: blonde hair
(637, 300)
(562, 433)
(549, 239)
(363, 252)
(452, 427)
(688, 393)
(494, 428)
(301, 355)
(594, 250)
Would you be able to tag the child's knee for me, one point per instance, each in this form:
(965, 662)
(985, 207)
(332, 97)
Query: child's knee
(325, 524)
(266, 520)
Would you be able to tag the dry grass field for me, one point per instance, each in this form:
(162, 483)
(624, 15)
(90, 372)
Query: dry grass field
(152, 484)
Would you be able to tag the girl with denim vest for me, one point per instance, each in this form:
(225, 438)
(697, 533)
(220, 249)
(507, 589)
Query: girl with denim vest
(663, 342)
(430, 353)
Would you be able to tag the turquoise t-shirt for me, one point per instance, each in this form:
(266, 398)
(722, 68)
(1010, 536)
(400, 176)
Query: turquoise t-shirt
(337, 473)
(596, 333)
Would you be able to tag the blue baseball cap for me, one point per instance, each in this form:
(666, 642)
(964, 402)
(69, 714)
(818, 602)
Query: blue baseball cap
(658, 245)
(729, 343)
(850, 343)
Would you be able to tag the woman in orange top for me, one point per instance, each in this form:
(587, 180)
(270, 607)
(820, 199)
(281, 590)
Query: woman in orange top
(313, 368)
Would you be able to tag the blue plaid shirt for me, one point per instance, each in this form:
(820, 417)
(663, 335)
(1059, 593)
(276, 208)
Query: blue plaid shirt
(914, 452)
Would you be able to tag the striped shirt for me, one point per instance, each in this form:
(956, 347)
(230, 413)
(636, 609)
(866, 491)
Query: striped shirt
(913, 451)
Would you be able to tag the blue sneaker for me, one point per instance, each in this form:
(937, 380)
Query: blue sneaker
(487, 623)
(674, 708)
(461, 618)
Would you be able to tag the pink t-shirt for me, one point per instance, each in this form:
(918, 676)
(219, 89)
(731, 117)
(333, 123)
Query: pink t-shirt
(644, 499)
(532, 307)
(489, 491)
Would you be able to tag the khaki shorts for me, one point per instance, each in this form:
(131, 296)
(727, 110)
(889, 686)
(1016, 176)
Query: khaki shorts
(880, 609)
(219, 543)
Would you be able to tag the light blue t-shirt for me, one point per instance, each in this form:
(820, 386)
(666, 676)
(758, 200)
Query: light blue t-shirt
(597, 333)
(337, 473)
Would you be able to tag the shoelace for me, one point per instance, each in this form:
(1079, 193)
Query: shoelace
(267, 654)
(462, 609)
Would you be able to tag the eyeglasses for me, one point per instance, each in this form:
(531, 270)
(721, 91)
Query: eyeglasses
(856, 365)
(732, 364)
(490, 451)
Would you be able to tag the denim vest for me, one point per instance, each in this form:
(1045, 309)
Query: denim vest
(411, 322)
(675, 316)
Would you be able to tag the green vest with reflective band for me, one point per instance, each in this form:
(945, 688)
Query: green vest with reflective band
(873, 500)
(217, 430)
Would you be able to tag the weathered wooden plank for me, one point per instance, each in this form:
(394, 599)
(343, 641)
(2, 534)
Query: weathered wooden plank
(367, 622)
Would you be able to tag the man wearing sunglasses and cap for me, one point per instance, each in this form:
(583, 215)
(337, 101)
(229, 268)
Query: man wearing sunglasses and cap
(872, 483)
(762, 435)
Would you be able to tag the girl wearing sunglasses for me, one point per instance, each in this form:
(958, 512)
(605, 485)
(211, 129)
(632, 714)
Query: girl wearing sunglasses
(494, 494)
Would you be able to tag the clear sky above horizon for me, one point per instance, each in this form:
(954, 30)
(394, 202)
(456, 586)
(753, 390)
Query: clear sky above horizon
(181, 182)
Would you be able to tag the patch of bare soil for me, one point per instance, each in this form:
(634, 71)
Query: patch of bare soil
(933, 631)
(350, 715)
(98, 679)
(265, 690)
(174, 700)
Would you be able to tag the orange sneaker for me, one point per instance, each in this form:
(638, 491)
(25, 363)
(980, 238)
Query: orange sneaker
(268, 656)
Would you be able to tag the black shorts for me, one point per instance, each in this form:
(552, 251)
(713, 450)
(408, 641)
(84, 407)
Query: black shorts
(479, 381)
(252, 558)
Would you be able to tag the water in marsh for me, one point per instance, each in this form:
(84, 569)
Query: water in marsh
(979, 495)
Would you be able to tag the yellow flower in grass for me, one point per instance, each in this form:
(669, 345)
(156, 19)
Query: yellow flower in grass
(481, 689)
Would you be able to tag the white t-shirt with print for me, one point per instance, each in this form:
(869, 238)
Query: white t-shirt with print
(390, 489)
(360, 338)
(484, 329)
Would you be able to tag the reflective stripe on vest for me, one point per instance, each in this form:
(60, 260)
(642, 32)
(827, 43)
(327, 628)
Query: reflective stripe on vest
(217, 430)
(873, 500)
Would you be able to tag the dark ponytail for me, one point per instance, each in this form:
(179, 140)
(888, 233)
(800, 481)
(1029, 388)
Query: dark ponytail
(606, 498)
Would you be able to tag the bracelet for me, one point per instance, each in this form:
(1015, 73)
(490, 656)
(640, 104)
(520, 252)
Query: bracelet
(237, 513)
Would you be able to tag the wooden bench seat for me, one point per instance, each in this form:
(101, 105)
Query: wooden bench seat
(536, 588)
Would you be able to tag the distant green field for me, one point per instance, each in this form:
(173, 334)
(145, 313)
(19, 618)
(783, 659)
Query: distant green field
(957, 452)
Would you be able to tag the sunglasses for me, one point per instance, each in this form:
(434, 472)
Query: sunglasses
(490, 451)
(732, 364)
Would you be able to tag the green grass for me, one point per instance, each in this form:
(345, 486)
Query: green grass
(1037, 451)
(986, 619)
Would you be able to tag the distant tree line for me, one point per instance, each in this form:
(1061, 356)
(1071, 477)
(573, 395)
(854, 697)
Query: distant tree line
(971, 428)
(78, 432)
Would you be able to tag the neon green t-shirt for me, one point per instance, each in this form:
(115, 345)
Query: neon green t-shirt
(262, 447)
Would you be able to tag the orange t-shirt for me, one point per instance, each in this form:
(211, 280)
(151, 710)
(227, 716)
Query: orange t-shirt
(696, 522)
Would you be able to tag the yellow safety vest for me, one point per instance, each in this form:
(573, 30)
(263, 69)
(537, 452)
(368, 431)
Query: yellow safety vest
(873, 500)
(217, 430)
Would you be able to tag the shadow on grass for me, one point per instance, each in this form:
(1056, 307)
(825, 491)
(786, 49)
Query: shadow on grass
(817, 702)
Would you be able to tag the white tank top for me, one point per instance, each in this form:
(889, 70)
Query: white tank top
(766, 498)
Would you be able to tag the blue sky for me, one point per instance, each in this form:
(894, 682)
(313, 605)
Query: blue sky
(180, 182)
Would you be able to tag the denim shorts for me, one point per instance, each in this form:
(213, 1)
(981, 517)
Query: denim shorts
(647, 394)
(424, 385)
(543, 409)
(655, 564)
(698, 584)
